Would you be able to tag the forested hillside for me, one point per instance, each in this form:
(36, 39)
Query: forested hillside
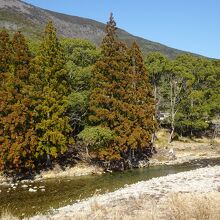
(65, 96)
(17, 15)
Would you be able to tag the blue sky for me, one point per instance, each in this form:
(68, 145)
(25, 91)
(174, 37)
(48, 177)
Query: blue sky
(191, 25)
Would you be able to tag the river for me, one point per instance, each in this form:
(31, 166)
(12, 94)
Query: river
(55, 193)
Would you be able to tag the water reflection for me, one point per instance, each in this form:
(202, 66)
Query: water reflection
(55, 193)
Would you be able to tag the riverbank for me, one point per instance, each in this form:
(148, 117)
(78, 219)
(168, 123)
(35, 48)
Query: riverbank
(150, 197)
(184, 150)
(80, 169)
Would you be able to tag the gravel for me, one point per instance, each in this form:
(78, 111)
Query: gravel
(200, 180)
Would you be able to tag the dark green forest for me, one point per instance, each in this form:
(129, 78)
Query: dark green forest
(59, 97)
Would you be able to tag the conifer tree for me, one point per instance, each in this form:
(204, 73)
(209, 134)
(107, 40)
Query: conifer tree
(5, 66)
(5, 52)
(18, 136)
(106, 98)
(142, 104)
(50, 91)
(122, 99)
(5, 63)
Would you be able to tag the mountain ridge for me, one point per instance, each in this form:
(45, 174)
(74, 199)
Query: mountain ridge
(18, 15)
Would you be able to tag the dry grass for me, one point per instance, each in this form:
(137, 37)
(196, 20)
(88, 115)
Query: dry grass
(78, 170)
(186, 206)
(3, 178)
(6, 215)
(176, 206)
(194, 206)
(184, 147)
(163, 136)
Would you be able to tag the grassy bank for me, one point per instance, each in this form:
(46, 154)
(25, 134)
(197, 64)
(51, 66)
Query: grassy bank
(185, 149)
(80, 169)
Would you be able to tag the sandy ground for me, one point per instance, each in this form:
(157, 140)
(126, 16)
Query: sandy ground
(203, 180)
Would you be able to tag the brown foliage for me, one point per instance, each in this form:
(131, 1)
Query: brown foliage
(18, 138)
(122, 97)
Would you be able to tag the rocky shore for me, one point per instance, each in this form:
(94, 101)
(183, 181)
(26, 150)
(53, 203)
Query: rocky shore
(200, 181)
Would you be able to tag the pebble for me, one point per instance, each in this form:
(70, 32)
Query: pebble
(199, 180)
(32, 190)
(25, 181)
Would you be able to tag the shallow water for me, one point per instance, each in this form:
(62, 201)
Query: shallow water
(64, 191)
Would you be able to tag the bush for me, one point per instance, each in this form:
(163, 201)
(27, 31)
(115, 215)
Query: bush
(96, 137)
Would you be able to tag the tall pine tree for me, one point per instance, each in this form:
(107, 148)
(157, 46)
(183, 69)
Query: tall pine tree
(142, 104)
(122, 99)
(18, 140)
(106, 104)
(5, 63)
(50, 91)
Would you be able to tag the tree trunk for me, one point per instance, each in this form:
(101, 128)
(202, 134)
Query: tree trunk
(48, 162)
(87, 153)
(171, 134)
(133, 157)
(172, 109)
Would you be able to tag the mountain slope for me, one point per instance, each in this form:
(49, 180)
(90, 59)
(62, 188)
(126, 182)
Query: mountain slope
(18, 15)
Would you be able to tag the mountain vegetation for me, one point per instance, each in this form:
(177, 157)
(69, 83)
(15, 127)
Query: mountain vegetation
(61, 97)
(30, 20)
(186, 88)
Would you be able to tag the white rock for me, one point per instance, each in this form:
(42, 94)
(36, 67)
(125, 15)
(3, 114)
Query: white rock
(25, 181)
(200, 180)
(24, 186)
(32, 190)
